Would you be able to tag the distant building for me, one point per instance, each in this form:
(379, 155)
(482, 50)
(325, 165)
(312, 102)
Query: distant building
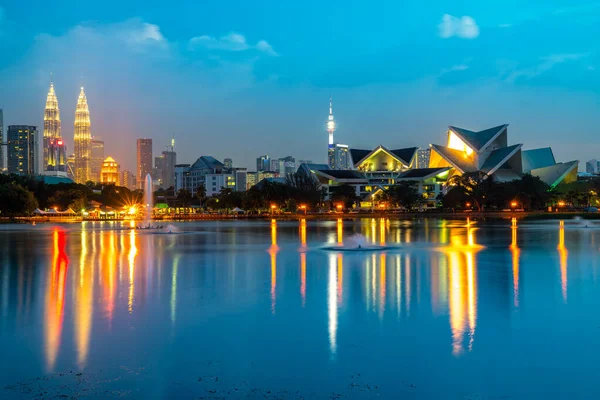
(128, 180)
(228, 163)
(157, 171)
(592, 167)
(110, 172)
(299, 162)
(211, 173)
(263, 163)
(168, 173)
(423, 158)
(144, 160)
(23, 157)
(286, 166)
(97, 159)
(274, 165)
(2, 164)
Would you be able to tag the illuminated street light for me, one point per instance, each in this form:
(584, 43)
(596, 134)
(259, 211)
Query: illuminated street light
(514, 204)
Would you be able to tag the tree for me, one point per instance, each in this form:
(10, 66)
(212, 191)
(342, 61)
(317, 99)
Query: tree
(345, 194)
(184, 197)
(404, 194)
(304, 188)
(201, 194)
(16, 200)
(474, 185)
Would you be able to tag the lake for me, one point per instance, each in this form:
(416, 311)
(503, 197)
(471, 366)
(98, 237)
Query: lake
(443, 309)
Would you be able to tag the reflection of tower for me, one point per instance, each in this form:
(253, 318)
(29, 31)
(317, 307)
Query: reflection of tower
(83, 140)
(330, 130)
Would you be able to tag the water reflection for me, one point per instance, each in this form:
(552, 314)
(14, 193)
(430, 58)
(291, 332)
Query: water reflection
(563, 256)
(55, 297)
(445, 280)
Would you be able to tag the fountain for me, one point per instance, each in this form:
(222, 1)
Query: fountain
(148, 204)
(356, 242)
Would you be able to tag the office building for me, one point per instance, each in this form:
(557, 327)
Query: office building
(97, 159)
(52, 135)
(423, 158)
(128, 179)
(592, 167)
(110, 173)
(168, 172)
(23, 157)
(286, 166)
(157, 172)
(341, 159)
(263, 163)
(82, 139)
(211, 173)
(144, 160)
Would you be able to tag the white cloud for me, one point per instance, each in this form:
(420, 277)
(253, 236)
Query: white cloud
(231, 42)
(546, 64)
(146, 32)
(463, 27)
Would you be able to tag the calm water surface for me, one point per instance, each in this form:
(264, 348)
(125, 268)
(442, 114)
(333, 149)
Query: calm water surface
(242, 309)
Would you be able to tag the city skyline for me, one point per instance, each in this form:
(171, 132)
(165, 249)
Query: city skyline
(419, 71)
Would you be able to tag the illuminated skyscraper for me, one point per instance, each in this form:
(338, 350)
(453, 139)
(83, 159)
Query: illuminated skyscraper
(331, 130)
(52, 132)
(83, 140)
(144, 160)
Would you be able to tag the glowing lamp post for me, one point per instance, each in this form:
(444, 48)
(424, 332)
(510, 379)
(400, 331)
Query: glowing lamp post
(339, 207)
(514, 204)
(273, 207)
(303, 208)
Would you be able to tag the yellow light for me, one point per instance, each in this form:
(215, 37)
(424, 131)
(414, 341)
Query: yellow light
(303, 207)
(273, 206)
(468, 204)
(561, 203)
(456, 143)
(513, 204)
(132, 210)
(339, 206)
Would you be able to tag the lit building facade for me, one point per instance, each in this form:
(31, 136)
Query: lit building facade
(341, 157)
(54, 148)
(110, 173)
(23, 157)
(82, 139)
(488, 152)
(144, 160)
(97, 159)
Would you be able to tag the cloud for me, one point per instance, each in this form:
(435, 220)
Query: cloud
(546, 64)
(231, 42)
(463, 27)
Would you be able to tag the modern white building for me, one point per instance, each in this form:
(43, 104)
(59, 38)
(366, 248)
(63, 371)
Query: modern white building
(211, 173)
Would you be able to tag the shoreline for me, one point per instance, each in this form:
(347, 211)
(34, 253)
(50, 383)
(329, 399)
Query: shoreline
(501, 215)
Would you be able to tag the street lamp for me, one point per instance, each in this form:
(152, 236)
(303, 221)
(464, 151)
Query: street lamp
(514, 204)
(303, 208)
(273, 207)
(339, 207)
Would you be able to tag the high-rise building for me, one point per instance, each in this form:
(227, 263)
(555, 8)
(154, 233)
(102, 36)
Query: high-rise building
(83, 140)
(274, 165)
(23, 157)
(128, 179)
(263, 163)
(110, 173)
(341, 157)
(331, 125)
(423, 158)
(228, 163)
(52, 134)
(2, 165)
(287, 166)
(157, 171)
(144, 160)
(97, 159)
(168, 173)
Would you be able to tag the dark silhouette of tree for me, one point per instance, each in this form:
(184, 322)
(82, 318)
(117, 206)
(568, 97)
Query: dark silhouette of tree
(345, 194)
(184, 197)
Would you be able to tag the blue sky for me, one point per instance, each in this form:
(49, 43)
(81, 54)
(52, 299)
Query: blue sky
(241, 79)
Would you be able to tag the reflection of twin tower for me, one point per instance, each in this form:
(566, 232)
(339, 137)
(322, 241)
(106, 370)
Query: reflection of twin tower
(55, 151)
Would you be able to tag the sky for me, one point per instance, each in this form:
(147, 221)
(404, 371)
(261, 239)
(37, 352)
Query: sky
(241, 79)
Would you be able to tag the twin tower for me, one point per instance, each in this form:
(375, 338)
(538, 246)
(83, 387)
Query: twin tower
(55, 151)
